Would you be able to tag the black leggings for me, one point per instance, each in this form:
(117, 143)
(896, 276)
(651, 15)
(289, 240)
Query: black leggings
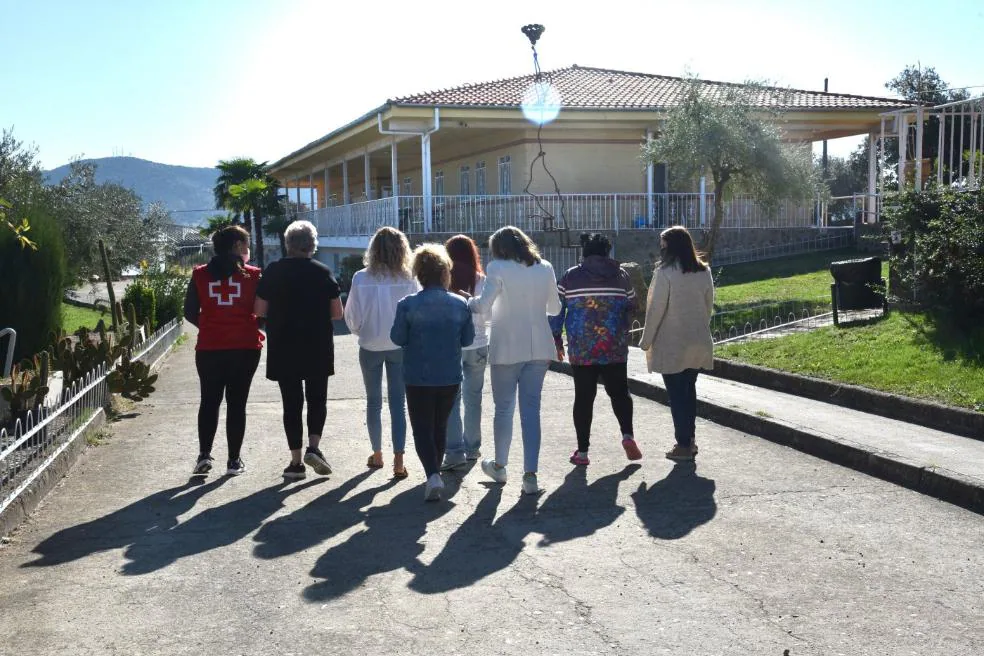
(429, 408)
(228, 373)
(315, 391)
(615, 377)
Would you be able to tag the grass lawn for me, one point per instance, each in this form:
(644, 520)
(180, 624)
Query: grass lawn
(908, 354)
(74, 317)
(800, 278)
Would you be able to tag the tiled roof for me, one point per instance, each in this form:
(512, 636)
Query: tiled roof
(597, 88)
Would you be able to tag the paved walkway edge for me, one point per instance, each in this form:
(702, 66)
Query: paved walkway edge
(938, 482)
(913, 411)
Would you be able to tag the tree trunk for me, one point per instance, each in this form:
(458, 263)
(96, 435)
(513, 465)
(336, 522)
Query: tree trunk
(711, 244)
(258, 238)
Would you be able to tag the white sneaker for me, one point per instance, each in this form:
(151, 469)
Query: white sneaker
(433, 487)
(530, 485)
(453, 461)
(497, 474)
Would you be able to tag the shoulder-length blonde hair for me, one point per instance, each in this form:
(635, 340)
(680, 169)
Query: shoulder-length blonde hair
(388, 253)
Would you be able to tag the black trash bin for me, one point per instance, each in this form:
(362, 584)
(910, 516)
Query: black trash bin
(858, 285)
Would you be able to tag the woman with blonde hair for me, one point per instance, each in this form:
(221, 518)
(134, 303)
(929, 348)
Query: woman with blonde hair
(520, 292)
(369, 313)
(677, 337)
(432, 326)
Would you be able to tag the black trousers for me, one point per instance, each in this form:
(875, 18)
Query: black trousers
(429, 409)
(615, 378)
(294, 392)
(230, 374)
(682, 390)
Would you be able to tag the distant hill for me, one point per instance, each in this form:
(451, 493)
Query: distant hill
(178, 188)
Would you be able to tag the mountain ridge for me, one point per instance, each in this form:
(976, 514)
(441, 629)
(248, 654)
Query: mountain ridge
(186, 191)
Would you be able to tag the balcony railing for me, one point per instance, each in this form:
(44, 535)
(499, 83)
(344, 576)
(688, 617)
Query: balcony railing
(583, 212)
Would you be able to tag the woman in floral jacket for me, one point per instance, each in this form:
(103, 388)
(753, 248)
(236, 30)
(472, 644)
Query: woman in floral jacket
(597, 299)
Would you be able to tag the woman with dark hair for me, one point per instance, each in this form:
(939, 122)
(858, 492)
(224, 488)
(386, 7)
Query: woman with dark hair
(219, 301)
(432, 326)
(465, 438)
(677, 337)
(369, 312)
(520, 292)
(300, 298)
(597, 300)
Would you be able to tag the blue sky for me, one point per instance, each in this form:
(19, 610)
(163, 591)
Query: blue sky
(194, 81)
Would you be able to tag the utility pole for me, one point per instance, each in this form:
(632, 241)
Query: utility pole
(825, 80)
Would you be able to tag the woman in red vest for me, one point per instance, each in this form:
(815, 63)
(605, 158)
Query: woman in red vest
(219, 301)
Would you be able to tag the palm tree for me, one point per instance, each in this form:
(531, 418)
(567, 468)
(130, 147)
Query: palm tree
(251, 198)
(235, 172)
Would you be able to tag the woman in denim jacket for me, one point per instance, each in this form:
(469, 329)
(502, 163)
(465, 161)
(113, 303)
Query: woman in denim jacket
(431, 326)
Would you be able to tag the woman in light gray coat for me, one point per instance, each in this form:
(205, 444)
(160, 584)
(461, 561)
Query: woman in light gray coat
(677, 337)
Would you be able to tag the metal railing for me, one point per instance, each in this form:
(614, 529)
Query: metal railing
(835, 238)
(582, 212)
(776, 318)
(31, 443)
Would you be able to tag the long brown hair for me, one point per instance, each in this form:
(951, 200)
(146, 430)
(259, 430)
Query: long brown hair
(680, 251)
(226, 262)
(388, 253)
(466, 263)
(511, 243)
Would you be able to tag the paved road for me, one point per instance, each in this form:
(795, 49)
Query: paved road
(759, 550)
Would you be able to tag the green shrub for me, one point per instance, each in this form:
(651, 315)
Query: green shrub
(942, 259)
(143, 299)
(32, 283)
(347, 268)
(169, 292)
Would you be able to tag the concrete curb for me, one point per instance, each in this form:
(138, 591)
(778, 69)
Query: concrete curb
(937, 482)
(913, 411)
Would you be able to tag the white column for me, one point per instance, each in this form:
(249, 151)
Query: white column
(703, 200)
(919, 147)
(395, 185)
(365, 175)
(871, 200)
(425, 171)
(650, 209)
(327, 185)
(346, 199)
(903, 130)
(297, 186)
(311, 190)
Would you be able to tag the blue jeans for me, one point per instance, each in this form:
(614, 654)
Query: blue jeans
(682, 390)
(528, 377)
(372, 363)
(467, 438)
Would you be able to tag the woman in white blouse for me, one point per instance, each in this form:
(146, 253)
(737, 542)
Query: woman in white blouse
(369, 313)
(520, 292)
(677, 337)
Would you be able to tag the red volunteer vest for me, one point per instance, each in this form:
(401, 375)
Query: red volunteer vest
(226, 320)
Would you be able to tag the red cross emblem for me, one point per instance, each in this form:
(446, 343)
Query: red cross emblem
(224, 292)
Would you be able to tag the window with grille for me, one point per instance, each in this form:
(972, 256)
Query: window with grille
(438, 183)
(464, 181)
(480, 178)
(505, 175)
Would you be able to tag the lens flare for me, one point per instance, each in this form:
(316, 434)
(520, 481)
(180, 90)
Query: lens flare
(541, 103)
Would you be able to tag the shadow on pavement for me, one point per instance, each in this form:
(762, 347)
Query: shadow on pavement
(390, 541)
(483, 545)
(142, 520)
(673, 507)
(210, 529)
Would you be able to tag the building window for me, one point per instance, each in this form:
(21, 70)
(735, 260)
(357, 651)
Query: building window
(505, 176)
(480, 178)
(464, 181)
(408, 186)
(438, 183)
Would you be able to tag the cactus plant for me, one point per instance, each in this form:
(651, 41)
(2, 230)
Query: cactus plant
(27, 388)
(117, 314)
(132, 379)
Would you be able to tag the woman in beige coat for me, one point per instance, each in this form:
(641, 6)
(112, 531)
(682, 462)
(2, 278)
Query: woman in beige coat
(677, 336)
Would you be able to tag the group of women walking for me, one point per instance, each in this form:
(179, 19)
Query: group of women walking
(431, 321)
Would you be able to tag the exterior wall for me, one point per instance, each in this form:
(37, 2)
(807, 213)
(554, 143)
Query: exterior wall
(589, 166)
